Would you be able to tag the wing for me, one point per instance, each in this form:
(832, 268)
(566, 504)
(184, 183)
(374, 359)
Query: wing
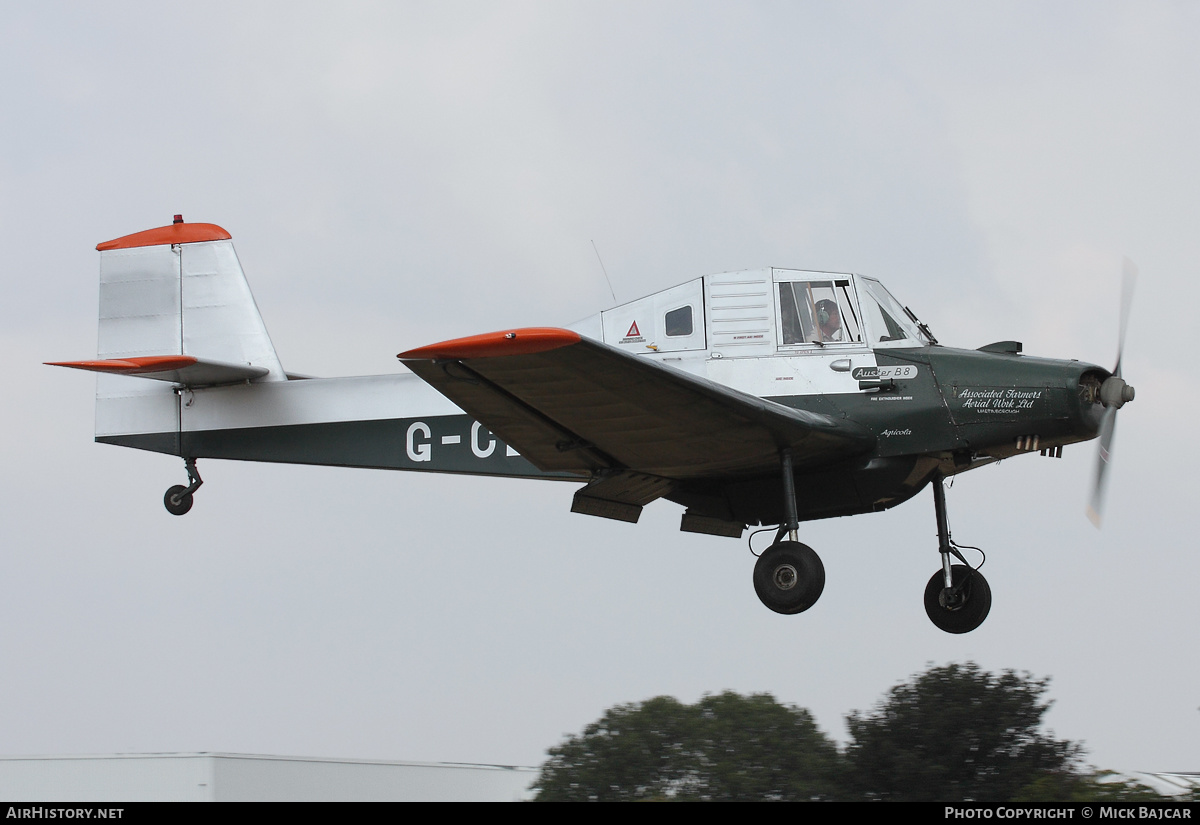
(568, 403)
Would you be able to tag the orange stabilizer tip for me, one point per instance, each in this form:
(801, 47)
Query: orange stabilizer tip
(130, 366)
(494, 344)
(174, 233)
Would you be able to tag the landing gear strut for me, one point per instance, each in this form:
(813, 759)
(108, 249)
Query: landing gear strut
(789, 576)
(958, 597)
(178, 499)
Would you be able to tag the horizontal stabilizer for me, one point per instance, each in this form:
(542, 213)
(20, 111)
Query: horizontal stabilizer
(178, 369)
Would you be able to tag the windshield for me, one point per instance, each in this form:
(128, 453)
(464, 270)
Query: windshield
(888, 323)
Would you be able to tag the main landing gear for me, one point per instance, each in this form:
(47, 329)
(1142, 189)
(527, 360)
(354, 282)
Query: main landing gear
(178, 499)
(958, 597)
(789, 576)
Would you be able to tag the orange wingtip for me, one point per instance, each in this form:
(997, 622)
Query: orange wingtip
(174, 233)
(130, 366)
(493, 344)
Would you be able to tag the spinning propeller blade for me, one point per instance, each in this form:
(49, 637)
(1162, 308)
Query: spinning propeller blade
(1107, 426)
(1113, 394)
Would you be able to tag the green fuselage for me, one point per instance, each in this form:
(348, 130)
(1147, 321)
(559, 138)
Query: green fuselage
(945, 411)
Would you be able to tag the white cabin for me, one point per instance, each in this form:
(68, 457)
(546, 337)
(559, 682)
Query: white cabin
(759, 312)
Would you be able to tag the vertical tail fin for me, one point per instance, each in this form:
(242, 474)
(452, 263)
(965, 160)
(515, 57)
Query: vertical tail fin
(180, 290)
(174, 306)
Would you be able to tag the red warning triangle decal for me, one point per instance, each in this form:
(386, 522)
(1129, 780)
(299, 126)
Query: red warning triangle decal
(633, 331)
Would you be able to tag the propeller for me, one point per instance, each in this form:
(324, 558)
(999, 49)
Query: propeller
(1114, 393)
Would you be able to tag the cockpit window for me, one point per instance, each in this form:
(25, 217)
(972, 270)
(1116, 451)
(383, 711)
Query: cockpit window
(888, 323)
(679, 321)
(817, 312)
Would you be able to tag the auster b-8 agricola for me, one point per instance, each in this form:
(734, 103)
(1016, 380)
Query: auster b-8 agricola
(764, 397)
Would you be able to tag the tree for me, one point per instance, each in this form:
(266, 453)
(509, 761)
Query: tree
(724, 747)
(958, 733)
(1103, 786)
(954, 733)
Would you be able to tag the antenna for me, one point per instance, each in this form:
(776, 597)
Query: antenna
(605, 271)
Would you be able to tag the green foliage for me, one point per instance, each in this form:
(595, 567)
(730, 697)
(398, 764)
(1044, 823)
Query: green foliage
(1101, 787)
(724, 747)
(958, 733)
(954, 733)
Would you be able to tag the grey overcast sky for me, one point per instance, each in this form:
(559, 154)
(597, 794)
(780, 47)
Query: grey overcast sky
(399, 173)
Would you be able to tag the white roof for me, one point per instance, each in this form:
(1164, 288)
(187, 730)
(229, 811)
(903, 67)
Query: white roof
(235, 777)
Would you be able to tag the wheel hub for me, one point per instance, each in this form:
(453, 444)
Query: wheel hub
(950, 598)
(785, 577)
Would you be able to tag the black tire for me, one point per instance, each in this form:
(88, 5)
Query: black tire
(971, 610)
(789, 577)
(177, 500)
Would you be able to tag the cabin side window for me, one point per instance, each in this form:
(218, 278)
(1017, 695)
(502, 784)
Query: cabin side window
(678, 322)
(817, 312)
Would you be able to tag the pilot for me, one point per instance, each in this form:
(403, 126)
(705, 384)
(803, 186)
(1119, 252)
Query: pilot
(829, 319)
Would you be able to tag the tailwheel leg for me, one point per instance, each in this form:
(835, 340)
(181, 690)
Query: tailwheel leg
(958, 597)
(789, 576)
(178, 499)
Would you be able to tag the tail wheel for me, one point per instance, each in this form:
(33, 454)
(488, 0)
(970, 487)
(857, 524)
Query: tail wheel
(789, 577)
(962, 607)
(177, 500)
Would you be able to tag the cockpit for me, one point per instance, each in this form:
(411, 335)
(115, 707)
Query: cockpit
(817, 309)
(761, 312)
